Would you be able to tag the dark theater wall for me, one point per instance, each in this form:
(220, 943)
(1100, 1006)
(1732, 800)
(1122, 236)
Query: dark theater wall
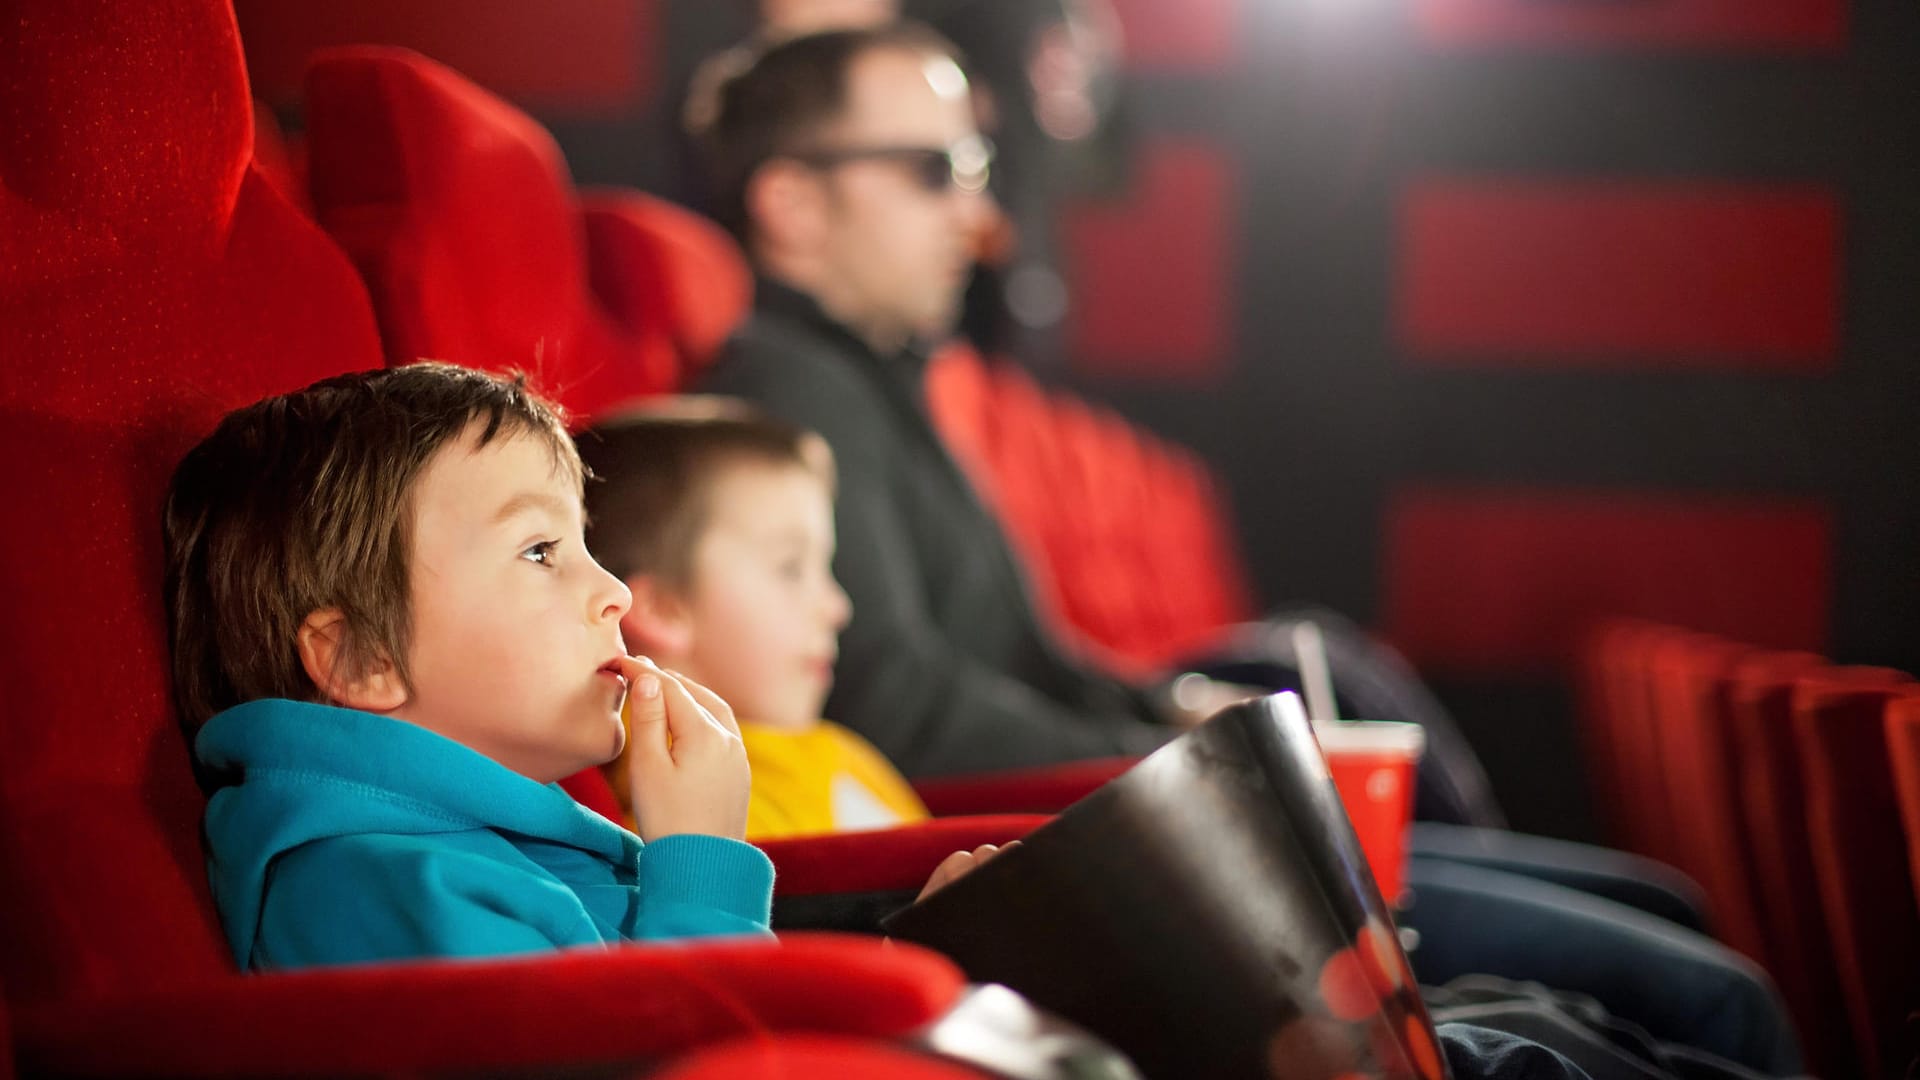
(1495, 315)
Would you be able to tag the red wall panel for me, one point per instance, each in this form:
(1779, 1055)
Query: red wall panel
(1503, 581)
(1727, 275)
(1154, 276)
(578, 57)
(1791, 25)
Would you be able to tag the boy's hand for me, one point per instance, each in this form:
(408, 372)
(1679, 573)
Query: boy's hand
(699, 783)
(956, 865)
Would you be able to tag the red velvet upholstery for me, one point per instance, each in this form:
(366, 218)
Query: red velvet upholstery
(282, 161)
(150, 281)
(812, 1055)
(1766, 763)
(1126, 543)
(459, 212)
(1689, 675)
(1642, 802)
(1598, 689)
(1859, 851)
(1903, 750)
(545, 1014)
(663, 269)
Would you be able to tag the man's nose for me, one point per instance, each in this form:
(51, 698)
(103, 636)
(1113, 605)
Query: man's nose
(979, 216)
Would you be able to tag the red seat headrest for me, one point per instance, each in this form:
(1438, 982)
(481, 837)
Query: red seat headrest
(661, 268)
(459, 212)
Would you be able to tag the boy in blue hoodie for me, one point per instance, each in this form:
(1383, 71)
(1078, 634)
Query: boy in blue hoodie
(389, 642)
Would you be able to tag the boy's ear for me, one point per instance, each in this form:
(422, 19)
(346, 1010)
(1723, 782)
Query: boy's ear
(322, 640)
(660, 622)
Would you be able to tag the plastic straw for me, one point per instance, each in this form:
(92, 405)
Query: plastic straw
(1310, 655)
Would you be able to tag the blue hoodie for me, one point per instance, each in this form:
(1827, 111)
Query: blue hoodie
(339, 836)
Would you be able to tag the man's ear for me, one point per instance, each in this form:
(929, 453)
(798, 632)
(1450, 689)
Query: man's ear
(660, 622)
(786, 203)
(323, 640)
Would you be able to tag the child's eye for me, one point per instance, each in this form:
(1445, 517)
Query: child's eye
(541, 552)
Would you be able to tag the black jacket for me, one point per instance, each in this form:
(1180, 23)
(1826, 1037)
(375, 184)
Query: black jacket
(944, 666)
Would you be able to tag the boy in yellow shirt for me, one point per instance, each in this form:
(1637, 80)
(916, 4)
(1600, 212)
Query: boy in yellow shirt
(720, 521)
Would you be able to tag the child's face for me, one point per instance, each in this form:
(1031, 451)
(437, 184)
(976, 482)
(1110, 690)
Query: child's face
(514, 624)
(763, 612)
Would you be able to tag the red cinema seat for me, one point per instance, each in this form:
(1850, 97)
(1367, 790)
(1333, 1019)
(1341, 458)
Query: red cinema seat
(150, 281)
(1645, 806)
(1203, 579)
(658, 268)
(958, 398)
(1903, 750)
(1689, 675)
(1859, 854)
(1766, 764)
(1598, 689)
(812, 1055)
(459, 212)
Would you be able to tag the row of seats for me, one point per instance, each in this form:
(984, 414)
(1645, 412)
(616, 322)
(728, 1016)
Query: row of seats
(1789, 788)
(155, 276)
(459, 212)
(151, 279)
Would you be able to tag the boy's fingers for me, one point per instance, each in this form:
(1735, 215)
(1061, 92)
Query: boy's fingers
(716, 707)
(950, 867)
(687, 719)
(646, 707)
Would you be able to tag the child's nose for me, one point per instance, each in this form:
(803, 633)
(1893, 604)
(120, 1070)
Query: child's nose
(839, 605)
(613, 598)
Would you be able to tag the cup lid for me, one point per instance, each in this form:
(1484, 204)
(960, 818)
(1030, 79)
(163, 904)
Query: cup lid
(1371, 736)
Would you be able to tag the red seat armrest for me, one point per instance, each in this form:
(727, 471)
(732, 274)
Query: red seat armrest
(582, 1007)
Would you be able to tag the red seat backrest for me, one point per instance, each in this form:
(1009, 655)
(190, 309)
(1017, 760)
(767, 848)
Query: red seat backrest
(959, 389)
(1645, 805)
(1859, 851)
(150, 280)
(461, 216)
(1599, 705)
(1766, 762)
(1684, 670)
(659, 268)
(1903, 749)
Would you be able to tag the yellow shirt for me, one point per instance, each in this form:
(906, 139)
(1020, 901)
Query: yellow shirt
(821, 780)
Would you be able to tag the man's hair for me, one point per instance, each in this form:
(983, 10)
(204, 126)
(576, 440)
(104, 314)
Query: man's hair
(303, 502)
(654, 471)
(785, 92)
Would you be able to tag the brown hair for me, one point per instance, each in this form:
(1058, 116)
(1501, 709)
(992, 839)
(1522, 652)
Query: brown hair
(654, 470)
(303, 502)
(783, 93)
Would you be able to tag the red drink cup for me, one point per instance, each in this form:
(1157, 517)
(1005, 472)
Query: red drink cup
(1373, 765)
